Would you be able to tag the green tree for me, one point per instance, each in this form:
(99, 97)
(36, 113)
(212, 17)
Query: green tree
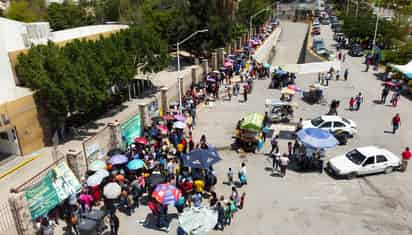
(401, 55)
(20, 11)
(63, 16)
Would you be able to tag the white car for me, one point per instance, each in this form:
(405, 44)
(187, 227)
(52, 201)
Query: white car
(332, 123)
(362, 161)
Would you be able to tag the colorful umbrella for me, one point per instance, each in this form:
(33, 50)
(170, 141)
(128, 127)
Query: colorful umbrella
(180, 117)
(228, 64)
(141, 140)
(179, 125)
(166, 194)
(210, 79)
(94, 180)
(287, 91)
(103, 173)
(135, 164)
(163, 129)
(97, 165)
(118, 159)
(112, 190)
(317, 138)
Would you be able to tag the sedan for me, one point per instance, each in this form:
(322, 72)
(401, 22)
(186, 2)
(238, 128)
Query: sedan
(363, 161)
(332, 123)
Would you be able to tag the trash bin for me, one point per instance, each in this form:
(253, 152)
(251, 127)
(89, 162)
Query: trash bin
(87, 227)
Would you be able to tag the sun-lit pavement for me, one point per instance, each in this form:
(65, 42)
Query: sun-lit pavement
(309, 203)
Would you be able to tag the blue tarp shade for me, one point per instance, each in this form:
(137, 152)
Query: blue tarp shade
(404, 69)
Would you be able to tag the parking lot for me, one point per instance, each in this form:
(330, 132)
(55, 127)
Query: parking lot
(309, 202)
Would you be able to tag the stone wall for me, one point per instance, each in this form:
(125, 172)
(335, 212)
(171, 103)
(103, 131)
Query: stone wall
(266, 51)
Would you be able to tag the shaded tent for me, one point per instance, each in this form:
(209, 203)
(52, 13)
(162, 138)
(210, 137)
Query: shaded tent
(404, 69)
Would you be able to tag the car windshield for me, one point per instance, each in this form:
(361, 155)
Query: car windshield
(355, 156)
(316, 121)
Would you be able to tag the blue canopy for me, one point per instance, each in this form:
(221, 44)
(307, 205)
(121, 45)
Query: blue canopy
(317, 138)
(201, 158)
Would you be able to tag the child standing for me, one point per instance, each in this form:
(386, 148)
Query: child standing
(351, 103)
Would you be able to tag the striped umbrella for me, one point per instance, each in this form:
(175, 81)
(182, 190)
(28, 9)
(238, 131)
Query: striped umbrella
(166, 194)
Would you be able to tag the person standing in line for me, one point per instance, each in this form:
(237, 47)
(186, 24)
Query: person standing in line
(396, 123)
(230, 176)
(284, 161)
(275, 160)
(245, 91)
(406, 156)
(358, 101)
(395, 98)
(385, 93)
(114, 224)
(274, 143)
(346, 74)
(220, 217)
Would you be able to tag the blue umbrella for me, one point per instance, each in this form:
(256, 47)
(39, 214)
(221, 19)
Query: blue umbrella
(135, 164)
(201, 158)
(118, 159)
(317, 138)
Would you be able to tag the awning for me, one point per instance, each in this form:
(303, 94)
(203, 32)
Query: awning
(404, 69)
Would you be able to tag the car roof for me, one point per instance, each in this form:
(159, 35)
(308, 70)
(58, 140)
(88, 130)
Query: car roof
(331, 118)
(374, 150)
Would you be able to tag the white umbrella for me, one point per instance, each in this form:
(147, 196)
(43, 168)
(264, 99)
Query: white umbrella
(179, 125)
(94, 180)
(103, 173)
(112, 190)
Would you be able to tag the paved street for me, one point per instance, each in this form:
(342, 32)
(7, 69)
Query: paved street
(309, 203)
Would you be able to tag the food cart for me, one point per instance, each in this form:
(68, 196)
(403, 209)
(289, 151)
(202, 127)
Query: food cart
(250, 130)
(280, 111)
(315, 94)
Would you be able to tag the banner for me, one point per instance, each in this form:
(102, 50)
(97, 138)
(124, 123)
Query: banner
(54, 188)
(131, 129)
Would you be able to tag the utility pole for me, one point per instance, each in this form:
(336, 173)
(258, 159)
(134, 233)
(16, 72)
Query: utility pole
(357, 8)
(347, 7)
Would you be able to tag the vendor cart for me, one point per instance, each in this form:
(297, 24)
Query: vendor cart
(280, 111)
(315, 94)
(279, 79)
(250, 130)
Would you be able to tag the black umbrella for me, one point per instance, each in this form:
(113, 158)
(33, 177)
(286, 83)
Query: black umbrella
(155, 179)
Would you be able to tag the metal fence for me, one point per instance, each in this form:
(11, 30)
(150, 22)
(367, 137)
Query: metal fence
(7, 225)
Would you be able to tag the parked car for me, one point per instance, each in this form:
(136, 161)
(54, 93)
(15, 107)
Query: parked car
(355, 50)
(332, 123)
(363, 161)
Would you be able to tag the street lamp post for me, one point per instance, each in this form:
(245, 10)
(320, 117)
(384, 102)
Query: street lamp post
(179, 77)
(251, 20)
(376, 31)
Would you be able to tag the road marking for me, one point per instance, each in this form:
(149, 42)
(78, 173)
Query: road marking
(18, 166)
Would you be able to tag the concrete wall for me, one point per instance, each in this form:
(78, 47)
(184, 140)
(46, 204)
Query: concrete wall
(266, 52)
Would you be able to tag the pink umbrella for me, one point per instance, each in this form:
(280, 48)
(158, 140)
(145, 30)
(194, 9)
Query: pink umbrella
(180, 117)
(228, 64)
(292, 87)
(163, 129)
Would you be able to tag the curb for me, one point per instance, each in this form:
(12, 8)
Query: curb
(18, 166)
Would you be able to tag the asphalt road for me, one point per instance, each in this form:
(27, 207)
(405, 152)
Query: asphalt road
(309, 203)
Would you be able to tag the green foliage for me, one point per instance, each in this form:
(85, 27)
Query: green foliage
(63, 16)
(248, 8)
(402, 55)
(75, 80)
(20, 10)
(363, 28)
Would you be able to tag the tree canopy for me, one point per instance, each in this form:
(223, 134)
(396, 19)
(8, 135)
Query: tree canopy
(78, 79)
(64, 16)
